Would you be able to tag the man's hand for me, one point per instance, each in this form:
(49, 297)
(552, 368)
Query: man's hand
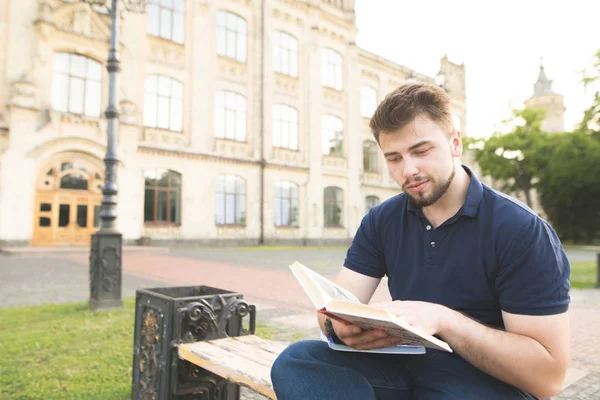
(430, 317)
(360, 339)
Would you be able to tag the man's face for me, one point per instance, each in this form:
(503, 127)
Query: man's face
(420, 157)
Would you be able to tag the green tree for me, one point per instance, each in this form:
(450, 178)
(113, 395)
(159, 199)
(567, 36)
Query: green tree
(515, 158)
(569, 186)
(591, 116)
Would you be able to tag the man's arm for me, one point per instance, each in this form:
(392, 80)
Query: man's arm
(532, 354)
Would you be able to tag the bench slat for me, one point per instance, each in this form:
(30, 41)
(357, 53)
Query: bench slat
(245, 360)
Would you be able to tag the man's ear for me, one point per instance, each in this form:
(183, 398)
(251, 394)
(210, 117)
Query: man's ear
(456, 143)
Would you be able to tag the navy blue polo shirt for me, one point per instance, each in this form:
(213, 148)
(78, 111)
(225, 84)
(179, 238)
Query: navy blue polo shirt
(494, 254)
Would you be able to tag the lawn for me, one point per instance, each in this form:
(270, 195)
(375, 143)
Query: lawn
(68, 352)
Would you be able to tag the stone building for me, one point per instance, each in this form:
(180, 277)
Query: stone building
(242, 121)
(553, 103)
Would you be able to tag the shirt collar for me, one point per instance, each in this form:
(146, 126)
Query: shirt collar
(473, 198)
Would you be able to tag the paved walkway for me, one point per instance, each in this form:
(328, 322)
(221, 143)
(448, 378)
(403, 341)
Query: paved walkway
(62, 275)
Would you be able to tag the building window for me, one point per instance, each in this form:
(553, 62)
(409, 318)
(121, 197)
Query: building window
(163, 103)
(370, 202)
(231, 36)
(368, 101)
(230, 200)
(332, 136)
(333, 206)
(331, 69)
(76, 84)
(162, 197)
(286, 204)
(369, 156)
(285, 53)
(166, 19)
(285, 127)
(230, 116)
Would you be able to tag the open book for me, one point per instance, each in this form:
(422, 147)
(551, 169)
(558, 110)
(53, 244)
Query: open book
(338, 303)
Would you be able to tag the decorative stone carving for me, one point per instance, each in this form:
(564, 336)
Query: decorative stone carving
(23, 94)
(128, 111)
(232, 69)
(287, 84)
(333, 96)
(335, 163)
(74, 17)
(166, 53)
(163, 137)
(232, 148)
(371, 178)
(286, 156)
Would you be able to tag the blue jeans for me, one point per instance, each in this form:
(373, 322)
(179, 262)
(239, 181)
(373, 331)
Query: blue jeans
(311, 370)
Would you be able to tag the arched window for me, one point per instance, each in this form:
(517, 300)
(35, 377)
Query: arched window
(331, 68)
(285, 127)
(286, 204)
(230, 200)
(370, 202)
(285, 53)
(369, 156)
(332, 136)
(162, 197)
(230, 116)
(333, 206)
(166, 19)
(231, 36)
(76, 84)
(163, 103)
(368, 101)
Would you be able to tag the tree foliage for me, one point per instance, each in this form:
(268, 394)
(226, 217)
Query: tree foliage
(514, 158)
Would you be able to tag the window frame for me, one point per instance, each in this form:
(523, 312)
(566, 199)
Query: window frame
(372, 156)
(170, 99)
(238, 96)
(168, 189)
(236, 179)
(328, 133)
(70, 78)
(290, 187)
(177, 8)
(332, 69)
(329, 201)
(231, 32)
(367, 110)
(367, 202)
(277, 123)
(283, 49)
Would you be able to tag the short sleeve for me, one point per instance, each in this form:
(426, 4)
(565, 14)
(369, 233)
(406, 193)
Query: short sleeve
(365, 255)
(533, 273)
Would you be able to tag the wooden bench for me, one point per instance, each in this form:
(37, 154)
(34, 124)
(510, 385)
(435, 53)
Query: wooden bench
(245, 360)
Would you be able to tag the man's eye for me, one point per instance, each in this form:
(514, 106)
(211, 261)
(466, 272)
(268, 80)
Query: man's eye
(421, 152)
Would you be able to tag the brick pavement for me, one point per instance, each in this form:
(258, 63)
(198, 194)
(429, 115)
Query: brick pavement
(282, 303)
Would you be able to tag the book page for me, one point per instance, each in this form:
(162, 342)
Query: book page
(319, 289)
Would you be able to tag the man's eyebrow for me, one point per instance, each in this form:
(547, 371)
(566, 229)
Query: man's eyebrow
(421, 143)
(411, 148)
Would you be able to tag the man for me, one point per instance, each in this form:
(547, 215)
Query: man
(468, 264)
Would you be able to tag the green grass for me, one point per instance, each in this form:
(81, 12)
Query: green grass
(68, 352)
(583, 274)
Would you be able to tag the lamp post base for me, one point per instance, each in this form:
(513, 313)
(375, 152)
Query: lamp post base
(105, 270)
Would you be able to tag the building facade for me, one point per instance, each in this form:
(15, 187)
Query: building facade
(241, 121)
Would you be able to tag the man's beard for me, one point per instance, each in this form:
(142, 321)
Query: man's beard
(438, 191)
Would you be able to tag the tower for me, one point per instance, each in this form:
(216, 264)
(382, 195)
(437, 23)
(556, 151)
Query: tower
(544, 98)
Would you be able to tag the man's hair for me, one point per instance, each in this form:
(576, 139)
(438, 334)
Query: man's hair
(404, 104)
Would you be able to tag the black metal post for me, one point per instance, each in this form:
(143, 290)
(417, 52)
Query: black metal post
(107, 243)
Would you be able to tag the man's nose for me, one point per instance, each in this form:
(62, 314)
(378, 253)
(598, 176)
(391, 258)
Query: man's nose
(410, 168)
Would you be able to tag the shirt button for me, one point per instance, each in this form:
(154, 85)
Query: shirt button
(432, 244)
(428, 227)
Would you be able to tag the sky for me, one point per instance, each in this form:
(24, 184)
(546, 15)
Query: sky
(500, 43)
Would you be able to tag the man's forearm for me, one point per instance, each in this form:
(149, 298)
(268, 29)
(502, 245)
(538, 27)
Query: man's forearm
(515, 359)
